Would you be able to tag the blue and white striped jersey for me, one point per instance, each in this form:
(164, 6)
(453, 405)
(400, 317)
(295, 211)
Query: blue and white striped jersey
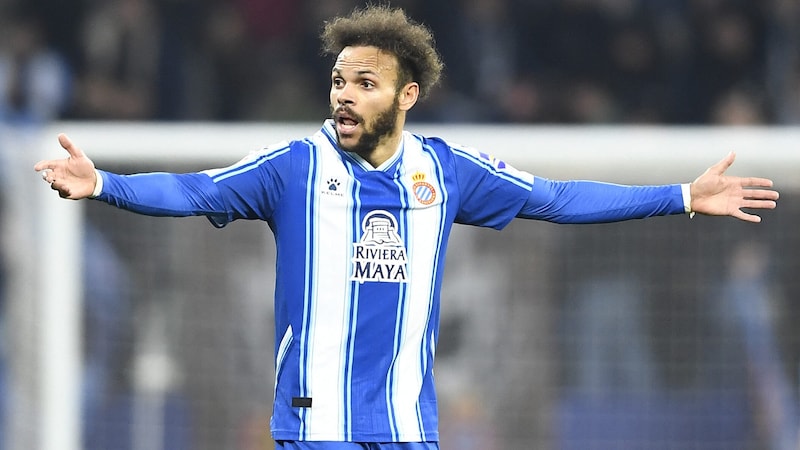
(360, 254)
(360, 260)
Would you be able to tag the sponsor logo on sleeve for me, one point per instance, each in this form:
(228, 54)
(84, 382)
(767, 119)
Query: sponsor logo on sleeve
(496, 163)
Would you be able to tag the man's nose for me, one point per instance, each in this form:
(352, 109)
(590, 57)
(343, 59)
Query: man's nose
(345, 97)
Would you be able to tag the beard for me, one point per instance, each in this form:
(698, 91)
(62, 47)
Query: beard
(383, 125)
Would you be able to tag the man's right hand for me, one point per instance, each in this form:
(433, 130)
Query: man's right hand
(73, 177)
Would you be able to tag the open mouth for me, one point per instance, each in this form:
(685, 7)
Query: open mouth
(346, 125)
(345, 122)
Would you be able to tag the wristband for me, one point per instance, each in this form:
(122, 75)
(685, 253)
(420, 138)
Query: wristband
(98, 184)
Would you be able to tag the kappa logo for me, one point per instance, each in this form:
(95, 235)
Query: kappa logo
(423, 191)
(380, 256)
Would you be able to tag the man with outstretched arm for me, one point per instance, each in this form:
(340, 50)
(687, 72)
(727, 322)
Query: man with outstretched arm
(361, 212)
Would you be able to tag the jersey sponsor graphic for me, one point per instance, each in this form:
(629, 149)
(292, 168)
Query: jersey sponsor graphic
(380, 256)
(423, 191)
(496, 163)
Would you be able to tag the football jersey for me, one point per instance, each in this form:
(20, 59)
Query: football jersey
(360, 255)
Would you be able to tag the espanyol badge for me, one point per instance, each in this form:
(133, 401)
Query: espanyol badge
(423, 191)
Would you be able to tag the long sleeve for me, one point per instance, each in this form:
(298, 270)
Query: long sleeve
(163, 194)
(595, 202)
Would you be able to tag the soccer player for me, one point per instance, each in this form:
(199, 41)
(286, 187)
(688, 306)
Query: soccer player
(361, 212)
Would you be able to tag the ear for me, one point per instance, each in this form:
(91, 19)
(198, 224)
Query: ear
(408, 96)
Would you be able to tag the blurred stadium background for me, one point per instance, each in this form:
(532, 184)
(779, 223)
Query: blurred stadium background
(128, 332)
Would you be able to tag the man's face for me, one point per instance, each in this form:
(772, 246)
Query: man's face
(364, 98)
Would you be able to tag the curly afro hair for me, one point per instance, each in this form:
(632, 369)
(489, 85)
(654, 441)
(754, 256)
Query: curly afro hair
(390, 30)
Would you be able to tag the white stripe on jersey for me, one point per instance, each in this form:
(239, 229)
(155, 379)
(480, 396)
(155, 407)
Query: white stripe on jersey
(328, 338)
(283, 348)
(306, 336)
(249, 162)
(507, 173)
(424, 230)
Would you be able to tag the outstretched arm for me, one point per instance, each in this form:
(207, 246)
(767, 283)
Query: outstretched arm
(160, 193)
(154, 193)
(73, 177)
(716, 194)
(712, 193)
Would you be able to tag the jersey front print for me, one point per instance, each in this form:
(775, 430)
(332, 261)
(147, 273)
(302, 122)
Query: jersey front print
(380, 255)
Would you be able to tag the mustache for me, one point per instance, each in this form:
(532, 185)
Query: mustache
(346, 111)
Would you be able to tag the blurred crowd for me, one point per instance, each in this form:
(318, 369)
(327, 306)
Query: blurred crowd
(521, 61)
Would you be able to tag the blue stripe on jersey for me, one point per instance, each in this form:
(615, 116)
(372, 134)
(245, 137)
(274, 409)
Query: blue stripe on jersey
(488, 166)
(352, 317)
(308, 294)
(237, 169)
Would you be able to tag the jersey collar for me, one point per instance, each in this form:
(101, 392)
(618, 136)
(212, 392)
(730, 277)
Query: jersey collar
(330, 133)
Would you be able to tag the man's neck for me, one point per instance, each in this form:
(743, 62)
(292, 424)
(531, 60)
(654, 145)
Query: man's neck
(384, 151)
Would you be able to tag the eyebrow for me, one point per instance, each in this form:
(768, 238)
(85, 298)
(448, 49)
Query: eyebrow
(338, 71)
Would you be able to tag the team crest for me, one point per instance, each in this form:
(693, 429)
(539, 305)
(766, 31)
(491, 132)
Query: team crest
(423, 191)
(380, 255)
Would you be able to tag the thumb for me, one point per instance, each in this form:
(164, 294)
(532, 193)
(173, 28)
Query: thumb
(71, 148)
(720, 167)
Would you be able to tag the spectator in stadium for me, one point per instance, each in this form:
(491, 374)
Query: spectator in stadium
(35, 80)
(753, 313)
(122, 48)
(361, 212)
(782, 74)
(611, 346)
(107, 317)
(729, 52)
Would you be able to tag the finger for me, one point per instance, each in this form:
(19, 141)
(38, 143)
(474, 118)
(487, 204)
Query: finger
(43, 165)
(739, 214)
(62, 190)
(759, 204)
(71, 148)
(760, 194)
(720, 167)
(756, 182)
